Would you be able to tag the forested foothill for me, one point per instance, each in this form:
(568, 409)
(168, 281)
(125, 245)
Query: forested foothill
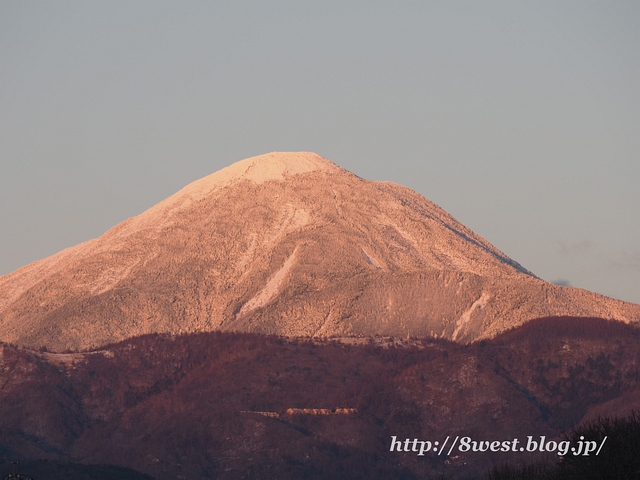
(176, 406)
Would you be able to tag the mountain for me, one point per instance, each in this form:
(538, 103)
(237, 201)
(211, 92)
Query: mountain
(287, 244)
(228, 405)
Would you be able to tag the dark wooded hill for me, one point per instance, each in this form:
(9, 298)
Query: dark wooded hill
(189, 405)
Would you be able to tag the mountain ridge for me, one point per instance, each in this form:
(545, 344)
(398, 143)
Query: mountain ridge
(187, 405)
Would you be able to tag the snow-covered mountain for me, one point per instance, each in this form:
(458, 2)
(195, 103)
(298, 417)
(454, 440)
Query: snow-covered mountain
(287, 244)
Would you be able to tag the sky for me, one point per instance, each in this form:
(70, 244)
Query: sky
(521, 119)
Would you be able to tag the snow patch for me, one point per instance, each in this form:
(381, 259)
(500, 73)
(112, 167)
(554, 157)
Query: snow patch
(371, 259)
(466, 316)
(110, 278)
(271, 166)
(249, 254)
(271, 289)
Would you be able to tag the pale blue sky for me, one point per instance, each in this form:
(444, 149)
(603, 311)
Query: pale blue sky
(522, 119)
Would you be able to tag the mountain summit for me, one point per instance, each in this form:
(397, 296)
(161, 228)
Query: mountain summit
(287, 244)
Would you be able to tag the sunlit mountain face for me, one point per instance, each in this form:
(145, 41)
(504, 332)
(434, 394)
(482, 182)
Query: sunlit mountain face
(286, 244)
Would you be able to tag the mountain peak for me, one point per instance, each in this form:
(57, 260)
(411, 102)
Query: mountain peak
(259, 169)
(273, 166)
